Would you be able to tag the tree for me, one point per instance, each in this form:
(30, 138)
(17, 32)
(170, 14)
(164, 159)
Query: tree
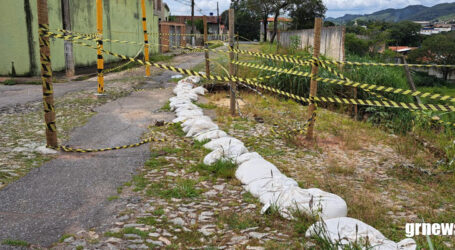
(438, 49)
(262, 8)
(405, 33)
(277, 7)
(244, 18)
(304, 12)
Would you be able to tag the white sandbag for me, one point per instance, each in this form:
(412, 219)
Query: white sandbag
(194, 79)
(176, 105)
(312, 201)
(188, 106)
(190, 113)
(246, 157)
(228, 154)
(190, 122)
(190, 96)
(201, 126)
(255, 169)
(214, 134)
(199, 90)
(223, 143)
(344, 230)
(185, 81)
(184, 118)
(274, 184)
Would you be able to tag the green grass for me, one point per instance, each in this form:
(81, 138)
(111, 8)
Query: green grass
(184, 188)
(147, 221)
(140, 182)
(17, 243)
(64, 237)
(132, 230)
(238, 221)
(221, 168)
(166, 107)
(113, 197)
(205, 105)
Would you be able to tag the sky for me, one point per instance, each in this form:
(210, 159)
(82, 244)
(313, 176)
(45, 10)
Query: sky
(336, 8)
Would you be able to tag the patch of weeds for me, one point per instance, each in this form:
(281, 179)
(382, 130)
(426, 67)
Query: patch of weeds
(166, 107)
(132, 230)
(147, 220)
(221, 168)
(170, 150)
(112, 234)
(184, 189)
(158, 211)
(79, 248)
(335, 168)
(154, 188)
(17, 243)
(140, 182)
(239, 126)
(64, 237)
(199, 144)
(113, 197)
(205, 105)
(249, 198)
(191, 238)
(119, 190)
(9, 82)
(238, 221)
(302, 222)
(155, 162)
(176, 128)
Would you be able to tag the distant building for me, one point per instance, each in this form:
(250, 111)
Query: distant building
(402, 49)
(212, 23)
(284, 23)
(437, 28)
(423, 23)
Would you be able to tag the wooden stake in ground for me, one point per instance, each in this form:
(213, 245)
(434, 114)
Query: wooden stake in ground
(231, 58)
(146, 39)
(314, 72)
(99, 42)
(206, 45)
(409, 78)
(46, 74)
(68, 45)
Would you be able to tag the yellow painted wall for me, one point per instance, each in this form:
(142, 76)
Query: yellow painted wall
(122, 20)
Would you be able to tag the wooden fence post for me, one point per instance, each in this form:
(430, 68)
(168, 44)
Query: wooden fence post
(409, 78)
(99, 41)
(314, 72)
(68, 45)
(46, 74)
(146, 39)
(206, 46)
(231, 58)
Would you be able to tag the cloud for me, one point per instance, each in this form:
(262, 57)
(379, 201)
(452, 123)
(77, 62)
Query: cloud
(341, 7)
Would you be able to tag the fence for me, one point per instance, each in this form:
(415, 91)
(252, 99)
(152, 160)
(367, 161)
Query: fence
(332, 40)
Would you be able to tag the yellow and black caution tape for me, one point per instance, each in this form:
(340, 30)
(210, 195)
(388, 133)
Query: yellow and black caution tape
(93, 35)
(80, 150)
(381, 64)
(434, 107)
(46, 78)
(372, 87)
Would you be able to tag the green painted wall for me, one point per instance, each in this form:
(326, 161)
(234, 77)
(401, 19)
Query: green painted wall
(122, 20)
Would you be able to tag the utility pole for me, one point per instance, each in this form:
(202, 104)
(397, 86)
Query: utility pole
(68, 45)
(206, 46)
(99, 42)
(193, 39)
(46, 74)
(218, 20)
(231, 58)
(314, 72)
(146, 39)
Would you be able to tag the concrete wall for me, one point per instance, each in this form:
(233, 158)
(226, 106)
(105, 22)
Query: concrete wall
(19, 28)
(332, 40)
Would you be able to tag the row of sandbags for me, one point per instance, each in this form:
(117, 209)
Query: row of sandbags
(264, 181)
